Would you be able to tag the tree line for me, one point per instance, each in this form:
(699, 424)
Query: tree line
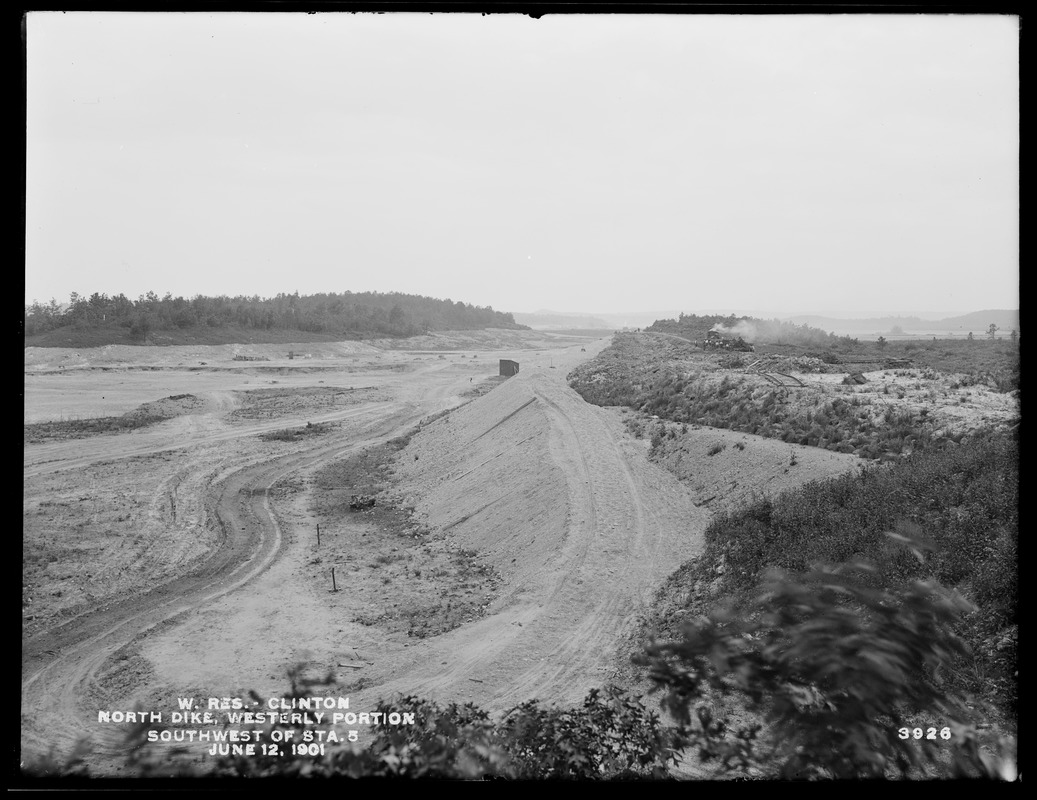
(350, 314)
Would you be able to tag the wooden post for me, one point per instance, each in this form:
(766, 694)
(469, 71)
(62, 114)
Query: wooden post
(334, 587)
(318, 534)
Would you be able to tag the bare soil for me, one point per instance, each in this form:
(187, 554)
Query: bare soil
(513, 544)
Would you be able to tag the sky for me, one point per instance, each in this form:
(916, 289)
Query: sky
(581, 163)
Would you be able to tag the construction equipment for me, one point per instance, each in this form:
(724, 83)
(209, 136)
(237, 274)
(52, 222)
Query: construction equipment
(715, 340)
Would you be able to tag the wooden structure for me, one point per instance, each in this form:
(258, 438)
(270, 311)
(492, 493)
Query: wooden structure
(508, 368)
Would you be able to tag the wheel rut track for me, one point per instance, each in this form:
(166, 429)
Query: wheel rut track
(50, 457)
(60, 666)
(489, 640)
(606, 620)
(607, 521)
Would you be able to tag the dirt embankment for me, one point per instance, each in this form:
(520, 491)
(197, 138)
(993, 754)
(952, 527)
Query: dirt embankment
(722, 469)
(483, 474)
(563, 502)
(559, 501)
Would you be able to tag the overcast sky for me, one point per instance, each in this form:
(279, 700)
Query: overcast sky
(829, 163)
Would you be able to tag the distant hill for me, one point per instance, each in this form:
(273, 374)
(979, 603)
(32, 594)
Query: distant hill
(926, 323)
(100, 319)
(550, 319)
(977, 321)
(542, 318)
(981, 320)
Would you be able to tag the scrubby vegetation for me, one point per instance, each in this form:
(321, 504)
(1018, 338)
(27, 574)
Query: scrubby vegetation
(270, 403)
(845, 424)
(101, 319)
(295, 434)
(610, 736)
(81, 428)
(840, 678)
(890, 417)
(963, 502)
(141, 417)
(416, 584)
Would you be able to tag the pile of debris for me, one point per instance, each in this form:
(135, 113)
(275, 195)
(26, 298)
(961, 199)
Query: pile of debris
(359, 502)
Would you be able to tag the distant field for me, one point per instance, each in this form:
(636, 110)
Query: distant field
(908, 336)
(593, 333)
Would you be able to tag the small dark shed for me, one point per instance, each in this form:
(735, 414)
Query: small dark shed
(508, 368)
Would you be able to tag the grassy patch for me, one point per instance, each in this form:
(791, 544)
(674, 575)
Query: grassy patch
(141, 417)
(295, 434)
(413, 581)
(272, 403)
(963, 501)
(890, 417)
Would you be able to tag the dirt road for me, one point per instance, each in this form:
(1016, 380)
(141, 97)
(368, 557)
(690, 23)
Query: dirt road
(63, 664)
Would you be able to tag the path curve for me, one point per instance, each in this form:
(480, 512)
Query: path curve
(61, 664)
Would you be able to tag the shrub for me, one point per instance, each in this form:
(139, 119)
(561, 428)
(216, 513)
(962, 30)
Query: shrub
(837, 669)
(965, 499)
(295, 434)
(611, 735)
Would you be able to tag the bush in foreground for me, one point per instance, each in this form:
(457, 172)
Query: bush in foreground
(610, 736)
(964, 499)
(838, 674)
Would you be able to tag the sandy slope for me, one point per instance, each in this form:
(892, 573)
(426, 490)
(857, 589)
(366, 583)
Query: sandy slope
(550, 492)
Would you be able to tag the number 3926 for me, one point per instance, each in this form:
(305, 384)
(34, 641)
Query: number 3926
(924, 733)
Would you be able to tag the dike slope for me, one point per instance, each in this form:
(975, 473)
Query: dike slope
(563, 503)
(484, 475)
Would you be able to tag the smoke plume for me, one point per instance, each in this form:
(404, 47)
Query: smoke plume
(744, 328)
